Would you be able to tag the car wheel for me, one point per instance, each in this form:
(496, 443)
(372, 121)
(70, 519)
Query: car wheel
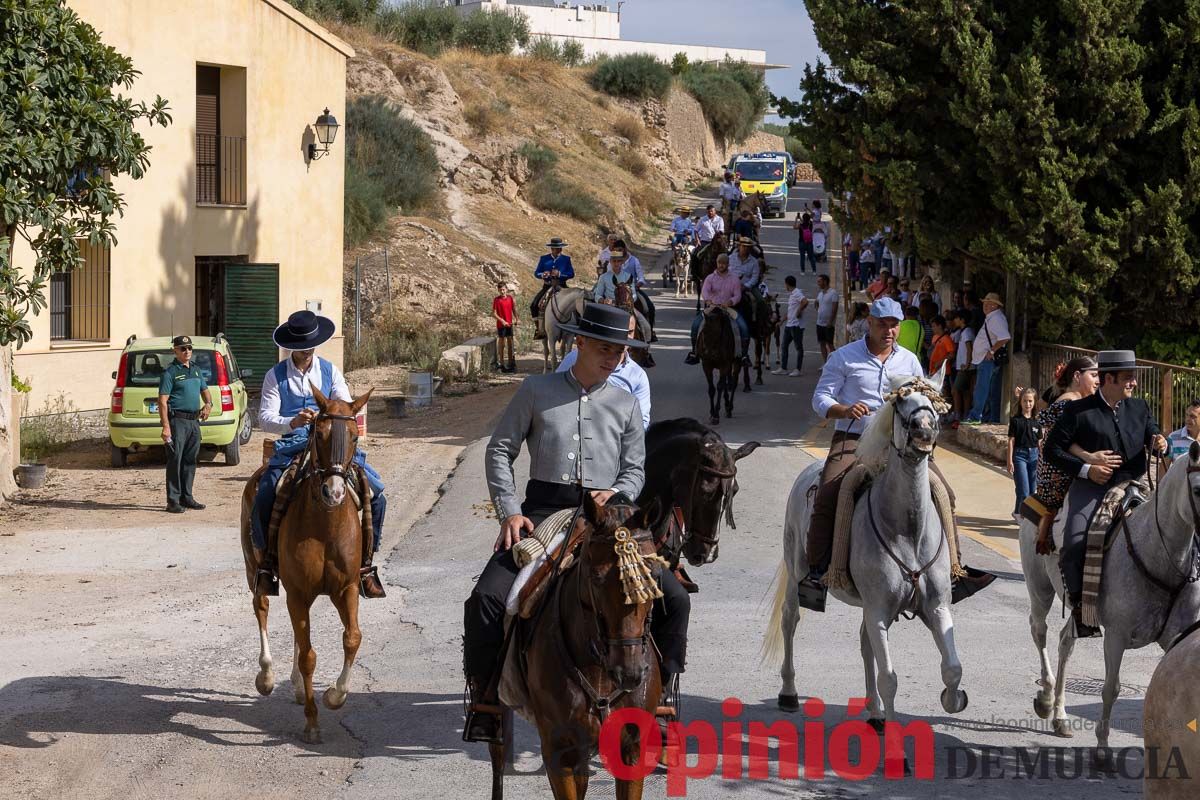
(116, 456)
(233, 453)
(247, 429)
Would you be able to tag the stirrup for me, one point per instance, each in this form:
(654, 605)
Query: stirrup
(484, 721)
(811, 593)
(369, 584)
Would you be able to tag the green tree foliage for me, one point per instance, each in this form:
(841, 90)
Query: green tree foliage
(569, 53)
(391, 165)
(790, 143)
(65, 132)
(680, 63)
(1054, 139)
(638, 76)
(493, 32)
(732, 95)
(425, 27)
(351, 12)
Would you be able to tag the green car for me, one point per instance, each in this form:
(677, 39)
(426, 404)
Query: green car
(133, 421)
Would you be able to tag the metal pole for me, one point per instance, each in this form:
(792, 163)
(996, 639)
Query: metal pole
(388, 272)
(357, 302)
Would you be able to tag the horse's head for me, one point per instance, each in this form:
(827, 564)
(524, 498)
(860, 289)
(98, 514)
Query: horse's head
(334, 441)
(908, 422)
(620, 570)
(708, 487)
(1188, 506)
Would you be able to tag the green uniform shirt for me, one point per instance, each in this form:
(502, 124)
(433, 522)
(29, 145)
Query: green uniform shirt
(183, 386)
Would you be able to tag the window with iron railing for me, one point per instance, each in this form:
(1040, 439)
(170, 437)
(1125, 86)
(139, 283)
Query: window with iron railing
(80, 299)
(221, 169)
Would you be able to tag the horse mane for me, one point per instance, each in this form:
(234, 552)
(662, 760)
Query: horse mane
(876, 439)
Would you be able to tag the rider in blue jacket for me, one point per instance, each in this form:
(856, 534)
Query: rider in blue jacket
(552, 265)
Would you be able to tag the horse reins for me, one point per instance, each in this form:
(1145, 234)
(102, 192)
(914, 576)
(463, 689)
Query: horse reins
(913, 576)
(340, 444)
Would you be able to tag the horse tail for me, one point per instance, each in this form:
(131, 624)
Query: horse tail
(771, 651)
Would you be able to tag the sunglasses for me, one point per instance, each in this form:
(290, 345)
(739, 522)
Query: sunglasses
(187, 348)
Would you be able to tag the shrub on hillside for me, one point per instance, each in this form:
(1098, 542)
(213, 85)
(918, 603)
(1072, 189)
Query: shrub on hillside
(572, 53)
(426, 27)
(638, 76)
(568, 53)
(484, 118)
(631, 128)
(633, 162)
(552, 193)
(352, 12)
(493, 32)
(540, 159)
(390, 164)
(732, 95)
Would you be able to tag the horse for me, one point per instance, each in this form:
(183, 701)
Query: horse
(1148, 590)
(642, 331)
(704, 261)
(679, 270)
(320, 542)
(752, 203)
(764, 326)
(564, 307)
(899, 559)
(716, 346)
(691, 476)
(589, 652)
(1171, 702)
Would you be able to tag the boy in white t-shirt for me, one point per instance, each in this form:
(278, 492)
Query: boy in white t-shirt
(827, 302)
(964, 375)
(793, 328)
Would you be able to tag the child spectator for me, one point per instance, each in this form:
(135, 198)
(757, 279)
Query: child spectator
(857, 327)
(505, 313)
(964, 373)
(926, 311)
(942, 347)
(1024, 434)
(793, 328)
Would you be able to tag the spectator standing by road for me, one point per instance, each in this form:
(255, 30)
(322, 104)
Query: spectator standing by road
(793, 328)
(180, 391)
(964, 370)
(504, 310)
(1180, 441)
(989, 354)
(827, 303)
(857, 327)
(1024, 438)
(941, 349)
(866, 269)
(804, 225)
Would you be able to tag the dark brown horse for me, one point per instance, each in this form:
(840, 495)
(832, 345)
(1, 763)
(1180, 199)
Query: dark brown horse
(763, 328)
(691, 476)
(589, 652)
(320, 543)
(716, 346)
(704, 261)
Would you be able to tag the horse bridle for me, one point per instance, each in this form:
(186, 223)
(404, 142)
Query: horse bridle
(727, 477)
(907, 425)
(339, 443)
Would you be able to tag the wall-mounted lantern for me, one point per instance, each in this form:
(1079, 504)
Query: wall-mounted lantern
(327, 128)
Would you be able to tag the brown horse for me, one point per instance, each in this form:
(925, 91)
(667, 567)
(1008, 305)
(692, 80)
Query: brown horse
(716, 346)
(642, 331)
(320, 543)
(704, 261)
(763, 329)
(589, 652)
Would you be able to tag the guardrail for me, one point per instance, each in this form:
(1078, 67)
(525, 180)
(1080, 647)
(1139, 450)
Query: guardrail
(1168, 388)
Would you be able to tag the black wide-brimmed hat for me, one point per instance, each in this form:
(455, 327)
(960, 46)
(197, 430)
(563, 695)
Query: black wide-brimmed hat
(556, 243)
(606, 323)
(304, 330)
(1117, 360)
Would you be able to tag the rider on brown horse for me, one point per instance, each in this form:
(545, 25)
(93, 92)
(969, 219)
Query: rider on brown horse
(552, 267)
(585, 436)
(287, 408)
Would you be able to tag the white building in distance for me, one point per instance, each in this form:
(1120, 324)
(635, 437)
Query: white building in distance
(598, 29)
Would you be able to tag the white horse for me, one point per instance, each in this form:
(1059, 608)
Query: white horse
(899, 558)
(564, 307)
(1143, 599)
(683, 273)
(1171, 702)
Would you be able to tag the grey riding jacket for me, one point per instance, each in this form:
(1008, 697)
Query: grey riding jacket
(590, 437)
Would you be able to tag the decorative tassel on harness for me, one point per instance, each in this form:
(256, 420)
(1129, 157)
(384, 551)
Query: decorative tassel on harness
(636, 579)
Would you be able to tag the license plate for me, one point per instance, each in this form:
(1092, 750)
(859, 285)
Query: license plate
(152, 408)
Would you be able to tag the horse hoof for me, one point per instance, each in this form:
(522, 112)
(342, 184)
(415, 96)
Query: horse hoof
(1062, 730)
(789, 703)
(311, 736)
(949, 701)
(877, 725)
(714, 420)
(1042, 707)
(265, 683)
(298, 696)
(333, 698)
(1102, 760)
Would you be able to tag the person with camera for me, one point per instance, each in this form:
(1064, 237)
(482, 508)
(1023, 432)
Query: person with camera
(989, 354)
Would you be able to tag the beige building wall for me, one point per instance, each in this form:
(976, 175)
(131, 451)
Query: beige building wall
(293, 210)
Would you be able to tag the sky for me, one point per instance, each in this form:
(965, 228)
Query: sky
(781, 27)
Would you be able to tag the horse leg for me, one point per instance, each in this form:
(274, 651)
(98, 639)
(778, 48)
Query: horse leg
(941, 625)
(730, 393)
(1066, 643)
(759, 346)
(714, 402)
(789, 699)
(1114, 652)
(874, 701)
(265, 680)
(876, 628)
(499, 752)
(1043, 701)
(347, 607)
(306, 657)
(297, 677)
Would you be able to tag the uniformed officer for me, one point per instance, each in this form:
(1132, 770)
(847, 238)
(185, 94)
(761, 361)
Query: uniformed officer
(180, 392)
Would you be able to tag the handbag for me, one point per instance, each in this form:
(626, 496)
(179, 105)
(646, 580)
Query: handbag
(1000, 357)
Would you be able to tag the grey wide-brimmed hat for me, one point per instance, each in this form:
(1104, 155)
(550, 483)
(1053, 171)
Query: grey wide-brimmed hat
(304, 330)
(606, 323)
(1117, 360)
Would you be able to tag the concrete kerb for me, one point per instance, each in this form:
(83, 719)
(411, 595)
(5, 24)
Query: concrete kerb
(979, 488)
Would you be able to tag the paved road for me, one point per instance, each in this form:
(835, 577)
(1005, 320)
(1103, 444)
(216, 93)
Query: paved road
(411, 721)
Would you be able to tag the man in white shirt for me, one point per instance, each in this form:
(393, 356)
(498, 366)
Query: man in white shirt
(793, 328)
(710, 225)
(827, 303)
(628, 376)
(605, 255)
(731, 193)
(992, 337)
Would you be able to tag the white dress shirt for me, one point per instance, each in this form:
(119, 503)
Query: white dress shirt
(854, 375)
(300, 384)
(710, 227)
(629, 376)
(794, 317)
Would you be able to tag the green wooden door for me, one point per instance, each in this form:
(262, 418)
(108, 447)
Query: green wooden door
(251, 315)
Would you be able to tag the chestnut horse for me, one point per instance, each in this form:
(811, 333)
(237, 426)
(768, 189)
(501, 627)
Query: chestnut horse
(589, 652)
(320, 545)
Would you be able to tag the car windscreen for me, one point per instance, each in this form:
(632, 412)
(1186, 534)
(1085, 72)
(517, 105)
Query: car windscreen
(146, 367)
(761, 170)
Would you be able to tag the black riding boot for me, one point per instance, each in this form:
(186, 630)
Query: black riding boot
(481, 726)
(1080, 629)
